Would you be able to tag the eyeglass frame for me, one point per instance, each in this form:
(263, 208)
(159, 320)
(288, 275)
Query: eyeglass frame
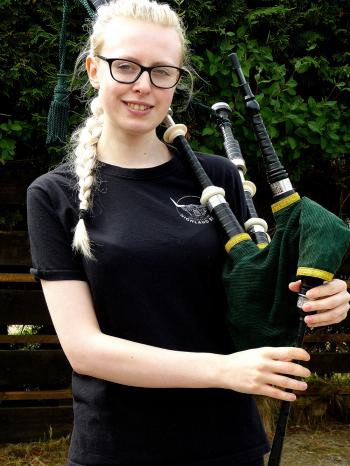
(142, 70)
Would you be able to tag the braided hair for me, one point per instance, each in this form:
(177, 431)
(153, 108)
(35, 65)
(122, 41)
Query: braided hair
(84, 140)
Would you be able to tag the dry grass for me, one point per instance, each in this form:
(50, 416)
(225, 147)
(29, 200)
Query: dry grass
(313, 437)
(49, 453)
(326, 446)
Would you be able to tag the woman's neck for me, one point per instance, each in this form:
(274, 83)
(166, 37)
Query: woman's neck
(132, 151)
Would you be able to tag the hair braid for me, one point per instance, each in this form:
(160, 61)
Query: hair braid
(85, 161)
(83, 156)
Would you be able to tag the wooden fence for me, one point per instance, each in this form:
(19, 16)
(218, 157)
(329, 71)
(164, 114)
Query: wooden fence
(35, 394)
(35, 376)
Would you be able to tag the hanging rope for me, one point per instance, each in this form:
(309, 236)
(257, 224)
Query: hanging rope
(88, 8)
(57, 120)
(58, 116)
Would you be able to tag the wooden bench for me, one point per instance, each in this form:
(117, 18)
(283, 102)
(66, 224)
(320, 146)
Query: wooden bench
(35, 376)
(328, 362)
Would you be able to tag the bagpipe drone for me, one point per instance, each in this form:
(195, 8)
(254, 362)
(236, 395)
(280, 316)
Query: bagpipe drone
(309, 242)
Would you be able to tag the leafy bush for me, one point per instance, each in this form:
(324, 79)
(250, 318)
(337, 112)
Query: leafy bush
(295, 54)
(10, 133)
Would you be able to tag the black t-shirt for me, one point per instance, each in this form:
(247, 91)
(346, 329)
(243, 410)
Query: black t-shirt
(156, 280)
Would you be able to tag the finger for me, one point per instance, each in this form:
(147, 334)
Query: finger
(295, 286)
(286, 352)
(274, 392)
(328, 317)
(327, 289)
(288, 383)
(290, 368)
(328, 303)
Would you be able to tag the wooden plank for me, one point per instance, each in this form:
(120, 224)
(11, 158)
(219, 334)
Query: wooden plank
(13, 193)
(323, 363)
(332, 337)
(14, 248)
(28, 424)
(23, 307)
(62, 394)
(15, 177)
(29, 339)
(17, 278)
(37, 368)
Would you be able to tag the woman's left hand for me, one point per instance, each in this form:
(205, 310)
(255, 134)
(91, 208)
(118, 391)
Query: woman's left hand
(330, 301)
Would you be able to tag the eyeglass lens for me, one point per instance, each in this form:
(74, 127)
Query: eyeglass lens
(161, 76)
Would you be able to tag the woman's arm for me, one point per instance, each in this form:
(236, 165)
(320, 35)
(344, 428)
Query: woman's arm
(264, 371)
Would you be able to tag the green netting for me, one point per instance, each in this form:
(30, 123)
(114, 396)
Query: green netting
(262, 310)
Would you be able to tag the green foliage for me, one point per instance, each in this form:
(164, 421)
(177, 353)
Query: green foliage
(25, 330)
(334, 379)
(10, 132)
(29, 34)
(296, 57)
(294, 54)
(9, 218)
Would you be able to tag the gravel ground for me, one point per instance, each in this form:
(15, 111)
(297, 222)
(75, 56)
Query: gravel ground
(329, 446)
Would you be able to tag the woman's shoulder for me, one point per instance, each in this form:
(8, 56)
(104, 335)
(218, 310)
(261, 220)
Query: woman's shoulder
(218, 167)
(224, 173)
(59, 177)
(216, 162)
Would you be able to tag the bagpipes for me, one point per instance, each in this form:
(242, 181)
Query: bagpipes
(309, 242)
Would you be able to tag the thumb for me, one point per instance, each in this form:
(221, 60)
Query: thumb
(295, 286)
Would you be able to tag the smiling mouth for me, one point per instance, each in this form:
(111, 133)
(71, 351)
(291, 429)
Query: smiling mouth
(138, 106)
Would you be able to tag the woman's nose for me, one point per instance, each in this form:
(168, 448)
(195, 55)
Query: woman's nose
(143, 83)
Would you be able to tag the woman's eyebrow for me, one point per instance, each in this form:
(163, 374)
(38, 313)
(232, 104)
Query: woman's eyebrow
(135, 60)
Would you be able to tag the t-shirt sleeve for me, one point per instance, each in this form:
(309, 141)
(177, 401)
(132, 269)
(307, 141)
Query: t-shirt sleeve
(50, 240)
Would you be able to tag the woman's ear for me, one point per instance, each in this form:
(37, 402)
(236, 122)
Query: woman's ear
(91, 68)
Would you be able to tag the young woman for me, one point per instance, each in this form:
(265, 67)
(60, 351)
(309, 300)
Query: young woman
(137, 302)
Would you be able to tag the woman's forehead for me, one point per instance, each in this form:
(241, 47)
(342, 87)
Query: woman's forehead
(131, 38)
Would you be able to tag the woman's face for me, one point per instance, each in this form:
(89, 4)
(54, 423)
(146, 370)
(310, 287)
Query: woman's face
(136, 108)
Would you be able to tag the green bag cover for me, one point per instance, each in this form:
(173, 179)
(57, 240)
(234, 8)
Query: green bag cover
(308, 241)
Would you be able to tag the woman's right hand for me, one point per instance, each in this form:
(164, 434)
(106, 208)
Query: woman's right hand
(265, 371)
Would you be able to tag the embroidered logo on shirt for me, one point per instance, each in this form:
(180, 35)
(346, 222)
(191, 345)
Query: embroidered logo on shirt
(190, 209)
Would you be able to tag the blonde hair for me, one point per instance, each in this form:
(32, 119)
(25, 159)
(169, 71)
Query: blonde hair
(84, 140)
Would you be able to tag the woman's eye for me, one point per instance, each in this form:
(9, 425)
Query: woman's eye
(125, 67)
(161, 72)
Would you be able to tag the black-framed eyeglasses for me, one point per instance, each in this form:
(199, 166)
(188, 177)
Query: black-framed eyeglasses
(128, 72)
